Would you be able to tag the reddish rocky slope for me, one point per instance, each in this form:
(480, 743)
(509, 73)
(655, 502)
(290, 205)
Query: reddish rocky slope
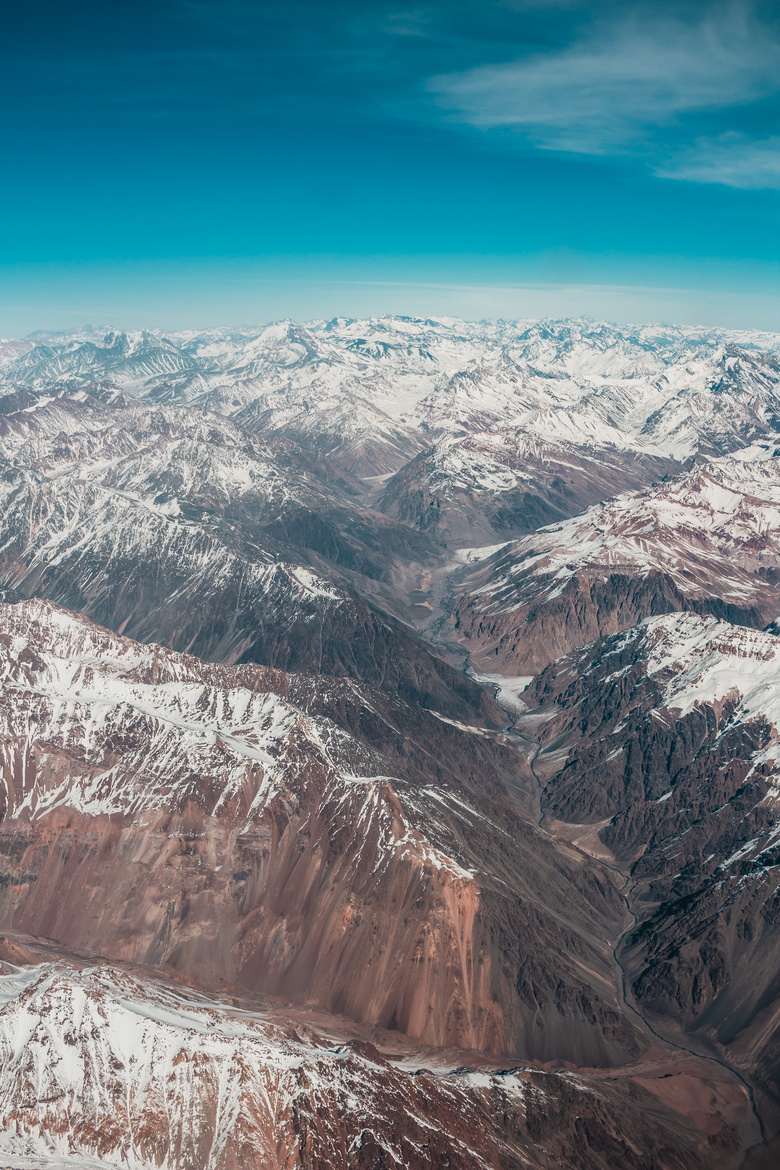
(207, 820)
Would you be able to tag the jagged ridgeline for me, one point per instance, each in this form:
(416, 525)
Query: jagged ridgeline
(381, 696)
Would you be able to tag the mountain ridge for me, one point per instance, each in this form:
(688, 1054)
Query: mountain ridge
(416, 678)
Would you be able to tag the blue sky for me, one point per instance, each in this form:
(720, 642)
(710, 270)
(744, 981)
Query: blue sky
(181, 162)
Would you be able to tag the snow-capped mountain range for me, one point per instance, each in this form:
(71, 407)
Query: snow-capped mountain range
(387, 382)
(402, 681)
(229, 791)
(204, 1083)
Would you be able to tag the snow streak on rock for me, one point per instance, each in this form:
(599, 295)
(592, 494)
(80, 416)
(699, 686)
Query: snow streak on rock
(104, 1069)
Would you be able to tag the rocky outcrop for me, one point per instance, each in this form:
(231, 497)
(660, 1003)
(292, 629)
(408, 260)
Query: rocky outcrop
(664, 740)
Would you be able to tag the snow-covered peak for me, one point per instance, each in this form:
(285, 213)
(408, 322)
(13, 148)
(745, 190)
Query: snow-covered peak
(124, 728)
(701, 660)
(102, 1068)
(188, 733)
(717, 525)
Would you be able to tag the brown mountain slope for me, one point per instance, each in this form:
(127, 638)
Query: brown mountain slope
(221, 822)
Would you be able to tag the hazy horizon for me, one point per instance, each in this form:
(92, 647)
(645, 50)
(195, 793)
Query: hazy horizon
(109, 326)
(631, 306)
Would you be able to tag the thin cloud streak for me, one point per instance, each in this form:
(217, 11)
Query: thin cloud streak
(612, 93)
(731, 160)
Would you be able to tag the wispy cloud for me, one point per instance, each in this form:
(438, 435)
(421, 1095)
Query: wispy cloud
(616, 90)
(730, 159)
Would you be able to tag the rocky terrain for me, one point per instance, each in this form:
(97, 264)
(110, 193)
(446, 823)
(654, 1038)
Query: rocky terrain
(666, 743)
(707, 541)
(224, 823)
(388, 747)
(135, 1071)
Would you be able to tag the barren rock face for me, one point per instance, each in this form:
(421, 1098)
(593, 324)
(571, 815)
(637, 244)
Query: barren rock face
(186, 816)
